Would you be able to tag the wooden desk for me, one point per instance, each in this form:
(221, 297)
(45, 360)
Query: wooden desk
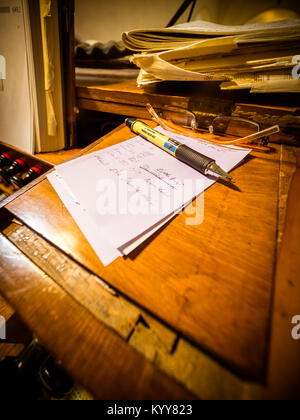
(186, 315)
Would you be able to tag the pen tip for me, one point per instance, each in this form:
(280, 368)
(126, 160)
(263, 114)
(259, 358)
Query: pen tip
(219, 171)
(228, 177)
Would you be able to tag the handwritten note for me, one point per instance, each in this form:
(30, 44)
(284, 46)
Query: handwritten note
(129, 190)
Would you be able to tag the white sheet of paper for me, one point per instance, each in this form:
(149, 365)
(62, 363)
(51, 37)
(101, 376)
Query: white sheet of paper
(138, 159)
(105, 251)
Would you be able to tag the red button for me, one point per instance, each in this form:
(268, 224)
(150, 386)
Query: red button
(22, 163)
(37, 169)
(7, 156)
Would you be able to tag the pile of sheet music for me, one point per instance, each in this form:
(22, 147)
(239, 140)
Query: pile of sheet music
(260, 57)
(121, 195)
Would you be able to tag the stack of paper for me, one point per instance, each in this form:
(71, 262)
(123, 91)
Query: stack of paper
(260, 57)
(121, 195)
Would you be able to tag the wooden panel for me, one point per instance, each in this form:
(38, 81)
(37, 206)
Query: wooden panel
(127, 92)
(287, 118)
(5, 309)
(287, 170)
(8, 349)
(58, 157)
(95, 295)
(190, 366)
(124, 98)
(112, 93)
(159, 344)
(95, 356)
(217, 291)
(162, 346)
(113, 108)
(284, 361)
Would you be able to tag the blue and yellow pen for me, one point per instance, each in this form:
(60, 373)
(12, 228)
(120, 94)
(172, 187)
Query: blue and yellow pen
(202, 163)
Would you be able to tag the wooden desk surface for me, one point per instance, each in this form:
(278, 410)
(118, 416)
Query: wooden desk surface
(212, 284)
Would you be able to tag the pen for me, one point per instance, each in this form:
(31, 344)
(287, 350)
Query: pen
(2, 196)
(202, 163)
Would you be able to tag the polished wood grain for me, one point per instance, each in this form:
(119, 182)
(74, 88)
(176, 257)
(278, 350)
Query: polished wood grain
(91, 352)
(56, 158)
(8, 347)
(127, 92)
(212, 282)
(92, 293)
(165, 348)
(5, 309)
(124, 98)
(113, 108)
(284, 361)
(286, 117)
(162, 346)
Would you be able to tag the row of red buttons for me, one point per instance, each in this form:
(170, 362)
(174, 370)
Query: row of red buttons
(17, 171)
